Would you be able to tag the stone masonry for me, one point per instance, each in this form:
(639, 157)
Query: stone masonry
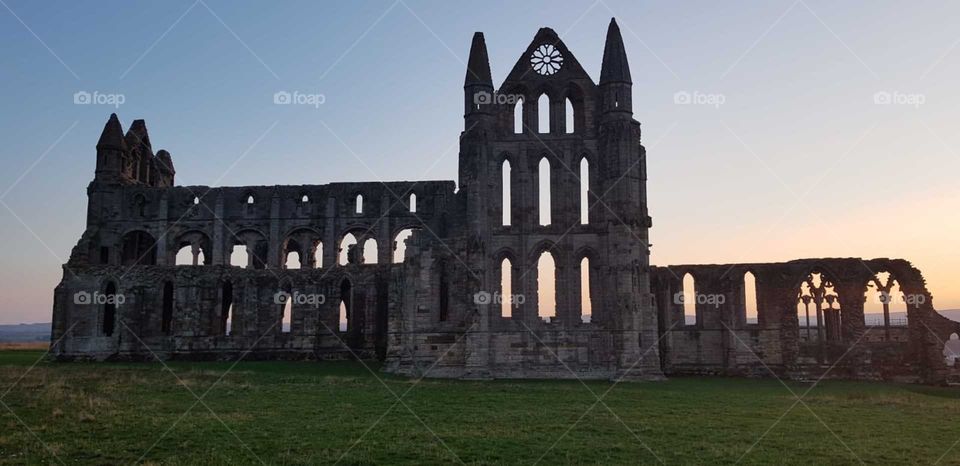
(152, 275)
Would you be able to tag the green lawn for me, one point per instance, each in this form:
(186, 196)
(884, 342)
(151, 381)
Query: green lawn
(311, 412)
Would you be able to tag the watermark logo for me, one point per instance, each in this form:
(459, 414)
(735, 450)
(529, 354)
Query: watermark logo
(488, 98)
(98, 98)
(84, 298)
(298, 98)
(298, 298)
(484, 297)
(710, 299)
(714, 100)
(914, 100)
(909, 299)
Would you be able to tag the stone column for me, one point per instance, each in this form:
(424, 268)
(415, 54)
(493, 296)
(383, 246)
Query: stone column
(162, 241)
(330, 244)
(273, 259)
(220, 253)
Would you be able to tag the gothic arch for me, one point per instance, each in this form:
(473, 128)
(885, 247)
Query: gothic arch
(138, 247)
(198, 241)
(544, 245)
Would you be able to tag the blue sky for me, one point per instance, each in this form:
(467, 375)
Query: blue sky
(798, 161)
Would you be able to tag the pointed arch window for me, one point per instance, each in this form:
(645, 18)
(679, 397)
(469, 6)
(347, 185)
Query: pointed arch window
(518, 117)
(543, 114)
(546, 286)
(506, 288)
(505, 193)
(584, 191)
(545, 192)
(751, 312)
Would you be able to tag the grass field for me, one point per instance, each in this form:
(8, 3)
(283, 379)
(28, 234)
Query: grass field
(309, 412)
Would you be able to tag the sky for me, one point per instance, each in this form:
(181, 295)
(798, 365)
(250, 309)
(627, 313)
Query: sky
(812, 129)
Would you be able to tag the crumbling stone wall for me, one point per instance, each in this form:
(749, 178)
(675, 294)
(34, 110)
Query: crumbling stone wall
(723, 342)
(437, 313)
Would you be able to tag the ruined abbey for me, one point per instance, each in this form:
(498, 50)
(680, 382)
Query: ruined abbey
(451, 279)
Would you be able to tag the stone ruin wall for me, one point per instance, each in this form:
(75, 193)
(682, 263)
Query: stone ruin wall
(722, 342)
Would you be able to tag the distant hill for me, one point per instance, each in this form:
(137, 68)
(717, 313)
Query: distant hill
(19, 333)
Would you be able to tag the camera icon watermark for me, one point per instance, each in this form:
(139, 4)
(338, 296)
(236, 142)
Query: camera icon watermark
(909, 299)
(299, 98)
(714, 100)
(298, 298)
(488, 98)
(98, 98)
(481, 298)
(86, 298)
(710, 299)
(914, 100)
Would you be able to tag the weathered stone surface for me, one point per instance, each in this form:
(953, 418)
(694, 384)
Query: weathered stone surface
(436, 313)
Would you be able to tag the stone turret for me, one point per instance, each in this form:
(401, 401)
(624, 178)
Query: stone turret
(111, 151)
(616, 87)
(141, 152)
(478, 83)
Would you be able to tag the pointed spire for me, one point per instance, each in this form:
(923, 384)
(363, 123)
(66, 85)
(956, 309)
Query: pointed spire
(478, 65)
(137, 135)
(615, 67)
(112, 135)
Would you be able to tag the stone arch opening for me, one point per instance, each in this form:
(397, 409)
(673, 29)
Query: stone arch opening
(543, 114)
(885, 304)
(318, 255)
(249, 250)
(584, 191)
(400, 244)
(140, 205)
(412, 203)
(543, 183)
(166, 317)
(371, 251)
(751, 312)
(139, 248)
(819, 301)
(575, 120)
(286, 309)
(226, 309)
(442, 269)
(586, 294)
(292, 260)
(110, 300)
(506, 288)
(951, 350)
(546, 286)
(518, 116)
(239, 256)
(358, 204)
(688, 297)
(347, 244)
(193, 249)
(505, 194)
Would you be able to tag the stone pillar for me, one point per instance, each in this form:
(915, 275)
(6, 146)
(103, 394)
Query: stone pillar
(273, 259)
(330, 243)
(852, 297)
(384, 241)
(221, 253)
(162, 241)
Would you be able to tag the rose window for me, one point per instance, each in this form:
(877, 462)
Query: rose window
(546, 60)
